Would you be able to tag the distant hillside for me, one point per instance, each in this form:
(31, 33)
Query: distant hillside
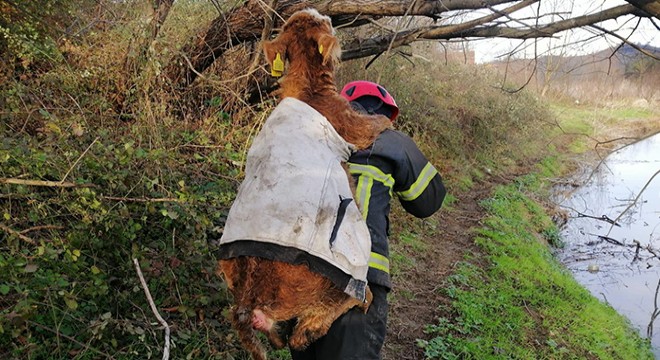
(630, 58)
(620, 72)
(628, 51)
(613, 61)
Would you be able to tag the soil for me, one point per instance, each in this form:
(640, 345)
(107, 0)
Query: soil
(417, 296)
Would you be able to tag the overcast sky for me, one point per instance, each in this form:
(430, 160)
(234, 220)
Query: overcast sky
(569, 42)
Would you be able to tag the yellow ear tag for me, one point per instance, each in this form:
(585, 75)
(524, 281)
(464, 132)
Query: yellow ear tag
(320, 49)
(278, 66)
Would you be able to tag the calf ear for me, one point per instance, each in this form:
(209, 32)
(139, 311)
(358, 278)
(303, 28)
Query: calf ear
(274, 52)
(329, 48)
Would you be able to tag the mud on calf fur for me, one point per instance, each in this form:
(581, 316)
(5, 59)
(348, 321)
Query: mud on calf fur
(271, 294)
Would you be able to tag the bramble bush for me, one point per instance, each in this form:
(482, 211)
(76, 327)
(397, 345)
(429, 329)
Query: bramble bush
(66, 263)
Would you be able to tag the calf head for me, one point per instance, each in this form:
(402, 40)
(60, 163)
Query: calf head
(307, 43)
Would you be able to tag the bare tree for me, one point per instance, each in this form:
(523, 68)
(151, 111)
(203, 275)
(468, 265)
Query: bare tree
(416, 20)
(139, 52)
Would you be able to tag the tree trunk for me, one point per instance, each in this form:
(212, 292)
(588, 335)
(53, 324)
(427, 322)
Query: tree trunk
(138, 55)
(652, 7)
(243, 24)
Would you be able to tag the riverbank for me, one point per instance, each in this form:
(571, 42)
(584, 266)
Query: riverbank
(507, 296)
(614, 254)
(517, 301)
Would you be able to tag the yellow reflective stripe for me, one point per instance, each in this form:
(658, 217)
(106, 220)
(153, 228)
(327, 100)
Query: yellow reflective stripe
(363, 194)
(367, 175)
(418, 187)
(379, 262)
(373, 172)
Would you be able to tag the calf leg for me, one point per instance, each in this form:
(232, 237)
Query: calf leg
(242, 324)
(264, 323)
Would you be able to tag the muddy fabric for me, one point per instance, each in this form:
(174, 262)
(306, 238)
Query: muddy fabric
(296, 194)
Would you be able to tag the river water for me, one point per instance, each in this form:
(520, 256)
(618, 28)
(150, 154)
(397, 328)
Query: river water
(615, 269)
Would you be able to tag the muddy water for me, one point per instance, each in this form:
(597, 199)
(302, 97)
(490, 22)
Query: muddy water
(615, 269)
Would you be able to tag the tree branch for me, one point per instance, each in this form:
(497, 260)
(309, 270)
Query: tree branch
(650, 6)
(625, 41)
(63, 184)
(166, 349)
(42, 227)
(78, 160)
(142, 199)
(246, 24)
(373, 46)
(73, 340)
(553, 28)
(400, 7)
(17, 234)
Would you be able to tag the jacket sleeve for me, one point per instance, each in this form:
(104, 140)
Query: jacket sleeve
(417, 183)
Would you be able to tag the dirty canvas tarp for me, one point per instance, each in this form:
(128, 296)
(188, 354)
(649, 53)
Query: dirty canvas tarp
(295, 204)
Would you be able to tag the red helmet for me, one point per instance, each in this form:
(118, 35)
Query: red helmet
(357, 89)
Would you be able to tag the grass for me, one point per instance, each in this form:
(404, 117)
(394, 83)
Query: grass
(412, 241)
(582, 126)
(400, 261)
(523, 304)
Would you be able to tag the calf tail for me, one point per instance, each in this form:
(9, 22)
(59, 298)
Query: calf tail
(242, 322)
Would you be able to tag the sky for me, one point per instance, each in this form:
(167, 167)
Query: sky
(569, 42)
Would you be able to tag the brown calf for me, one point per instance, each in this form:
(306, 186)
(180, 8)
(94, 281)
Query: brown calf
(268, 293)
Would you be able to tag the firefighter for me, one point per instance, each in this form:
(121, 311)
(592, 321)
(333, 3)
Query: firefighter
(392, 166)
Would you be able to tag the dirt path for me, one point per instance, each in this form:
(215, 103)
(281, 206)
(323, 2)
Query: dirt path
(417, 294)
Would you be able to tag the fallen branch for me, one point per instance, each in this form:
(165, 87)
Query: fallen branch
(602, 218)
(636, 245)
(42, 227)
(612, 240)
(62, 184)
(635, 200)
(166, 350)
(78, 160)
(653, 251)
(17, 234)
(142, 199)
(656, 312)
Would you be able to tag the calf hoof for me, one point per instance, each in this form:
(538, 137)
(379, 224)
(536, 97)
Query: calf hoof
(298, 341)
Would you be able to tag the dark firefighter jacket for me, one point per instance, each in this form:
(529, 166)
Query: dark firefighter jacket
(392, 165)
